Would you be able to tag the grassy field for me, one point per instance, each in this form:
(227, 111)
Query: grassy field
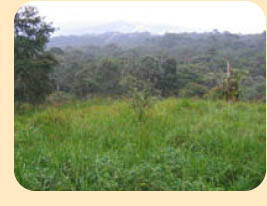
(179, 145)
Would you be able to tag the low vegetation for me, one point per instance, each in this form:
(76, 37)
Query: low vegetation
(179, 144)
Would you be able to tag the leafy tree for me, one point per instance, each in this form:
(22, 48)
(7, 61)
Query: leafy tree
(33, 65)
(108, 75)
(84, 81)
(149, 69)
(168, 81)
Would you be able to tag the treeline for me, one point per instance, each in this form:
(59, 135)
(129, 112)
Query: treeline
(183, 65)
(188, 64)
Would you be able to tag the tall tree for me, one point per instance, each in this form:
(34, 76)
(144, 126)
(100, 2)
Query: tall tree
(33, 65)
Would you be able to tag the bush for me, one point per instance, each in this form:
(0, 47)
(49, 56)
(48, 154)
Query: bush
(58, 98)
(24, 107)
(193, 90)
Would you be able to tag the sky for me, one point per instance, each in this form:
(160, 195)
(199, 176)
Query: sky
(235, 17)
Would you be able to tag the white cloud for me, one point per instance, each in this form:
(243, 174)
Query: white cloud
(236, 17)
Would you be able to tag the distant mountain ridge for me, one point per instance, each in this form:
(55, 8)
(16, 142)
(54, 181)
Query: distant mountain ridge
(122, 39)
(126, 27)
(149, 40)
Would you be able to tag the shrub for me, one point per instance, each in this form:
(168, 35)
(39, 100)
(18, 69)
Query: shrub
(58, 98)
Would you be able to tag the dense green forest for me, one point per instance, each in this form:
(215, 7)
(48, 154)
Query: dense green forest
(188, 64)
(183, 65)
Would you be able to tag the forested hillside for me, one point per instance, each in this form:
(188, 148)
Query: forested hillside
(184, 64)
(174, 64)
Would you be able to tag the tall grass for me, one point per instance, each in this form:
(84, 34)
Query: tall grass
(180, 144)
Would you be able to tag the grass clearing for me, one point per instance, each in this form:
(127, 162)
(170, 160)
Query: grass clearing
(181, 144)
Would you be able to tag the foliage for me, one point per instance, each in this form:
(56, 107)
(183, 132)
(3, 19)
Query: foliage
(140, 101)
(182, 145)
(33, 64)
(58, 98)
(190, 64)
(230, 86)
(193, 90)
(175, 144)
(140, 94)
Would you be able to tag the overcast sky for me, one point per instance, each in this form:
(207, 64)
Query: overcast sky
(235, 17)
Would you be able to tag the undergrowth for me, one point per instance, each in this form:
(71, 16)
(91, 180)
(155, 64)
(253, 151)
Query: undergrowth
(180, 144)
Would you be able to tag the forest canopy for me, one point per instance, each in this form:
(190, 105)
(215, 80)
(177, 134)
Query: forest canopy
(173, 64)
